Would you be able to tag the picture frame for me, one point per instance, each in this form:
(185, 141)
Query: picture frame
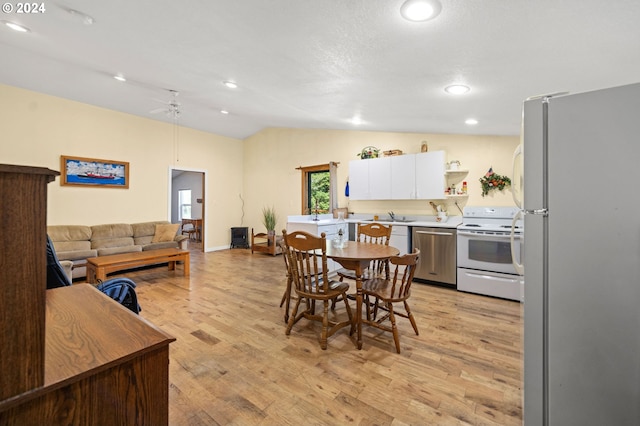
(93, 172)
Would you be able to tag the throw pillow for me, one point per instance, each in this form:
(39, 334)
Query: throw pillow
(165, 232)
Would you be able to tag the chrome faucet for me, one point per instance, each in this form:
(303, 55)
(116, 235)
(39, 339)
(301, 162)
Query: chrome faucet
(392, 215)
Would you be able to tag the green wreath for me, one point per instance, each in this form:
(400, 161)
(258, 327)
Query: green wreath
(492, 180)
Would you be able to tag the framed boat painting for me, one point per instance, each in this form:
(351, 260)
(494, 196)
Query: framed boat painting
(80, 171)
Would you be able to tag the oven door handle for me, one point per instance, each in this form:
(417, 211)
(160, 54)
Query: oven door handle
(493, 277)
(475, 234)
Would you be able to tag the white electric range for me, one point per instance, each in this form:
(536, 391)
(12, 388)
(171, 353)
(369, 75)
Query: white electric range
(485, 253)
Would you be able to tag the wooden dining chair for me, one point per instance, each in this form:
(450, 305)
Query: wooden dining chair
(189, 229)
(375, 233)
(307, 264)
(386, 292)
(286, 296)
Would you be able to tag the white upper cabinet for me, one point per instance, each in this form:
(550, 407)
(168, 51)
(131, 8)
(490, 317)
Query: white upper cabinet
(402, 177)
(380, 178)
(359, 179)
(430, 175)
(370, 179)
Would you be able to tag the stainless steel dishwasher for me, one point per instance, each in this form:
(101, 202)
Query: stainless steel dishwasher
(437, 254)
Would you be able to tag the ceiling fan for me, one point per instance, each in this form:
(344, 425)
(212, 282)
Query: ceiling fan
(172, 108)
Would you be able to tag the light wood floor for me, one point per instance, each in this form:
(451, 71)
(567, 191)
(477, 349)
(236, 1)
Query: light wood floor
(233, 365)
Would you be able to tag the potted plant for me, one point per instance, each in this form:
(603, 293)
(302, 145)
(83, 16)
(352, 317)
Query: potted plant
(269, 219)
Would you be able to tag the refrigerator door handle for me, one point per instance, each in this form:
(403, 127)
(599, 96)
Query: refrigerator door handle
(542, 212)
(518, 185)
(518, 266)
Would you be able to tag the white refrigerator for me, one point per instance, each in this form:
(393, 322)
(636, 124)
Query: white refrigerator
(581, 208)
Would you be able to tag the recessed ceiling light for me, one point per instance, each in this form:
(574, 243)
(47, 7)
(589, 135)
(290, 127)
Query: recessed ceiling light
(224, 111)
(471, 121)
(420, 10)
(457, 89)
(16, 27)
(230, 84)
(120, 77)
(356, 121)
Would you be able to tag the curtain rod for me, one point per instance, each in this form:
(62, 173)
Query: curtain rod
(330, 163)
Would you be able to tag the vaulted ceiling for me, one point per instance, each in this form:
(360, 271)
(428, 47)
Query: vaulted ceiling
(322, 63)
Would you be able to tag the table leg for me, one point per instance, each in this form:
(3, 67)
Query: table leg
(91, 273)
(101, 275)
(187, 265)
(359, 305)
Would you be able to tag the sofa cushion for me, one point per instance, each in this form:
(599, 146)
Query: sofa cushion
(156, 246)
(117, 250)
(71, 242)
(76, 254)
(61, 246)
(69, 233)
(112, 242)
(165, 232)
(146, 229)
(111, 230)
(112, 235)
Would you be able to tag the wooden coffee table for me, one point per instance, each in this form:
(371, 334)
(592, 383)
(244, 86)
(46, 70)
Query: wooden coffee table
(99, 267)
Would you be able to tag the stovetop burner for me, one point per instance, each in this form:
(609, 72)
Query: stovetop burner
(489, 219)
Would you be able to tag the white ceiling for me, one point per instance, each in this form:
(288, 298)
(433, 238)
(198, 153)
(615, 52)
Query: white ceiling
(319, 63)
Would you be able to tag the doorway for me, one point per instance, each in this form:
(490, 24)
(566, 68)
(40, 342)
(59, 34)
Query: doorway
(186, 192)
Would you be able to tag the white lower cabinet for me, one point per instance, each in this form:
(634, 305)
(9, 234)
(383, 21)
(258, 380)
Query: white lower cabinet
(330, 230)
(400, 238)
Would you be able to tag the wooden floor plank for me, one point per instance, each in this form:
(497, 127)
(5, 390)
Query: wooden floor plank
(232, 363)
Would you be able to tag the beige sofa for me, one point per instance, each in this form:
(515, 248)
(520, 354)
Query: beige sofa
(77, 242)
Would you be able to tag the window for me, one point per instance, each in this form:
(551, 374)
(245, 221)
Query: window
(318, 185)
(184, 204)
(318, 188)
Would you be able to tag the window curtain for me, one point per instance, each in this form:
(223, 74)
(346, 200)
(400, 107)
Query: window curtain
(333, 181)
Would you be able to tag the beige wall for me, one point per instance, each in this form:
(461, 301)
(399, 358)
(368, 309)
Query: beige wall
(242, 177)
(272, 155)
(37, 129)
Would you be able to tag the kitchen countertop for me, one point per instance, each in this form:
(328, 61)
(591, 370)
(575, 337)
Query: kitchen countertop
(452, 222)
(422, 221)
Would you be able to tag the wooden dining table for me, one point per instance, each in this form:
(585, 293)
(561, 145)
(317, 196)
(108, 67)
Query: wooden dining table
(356, 256)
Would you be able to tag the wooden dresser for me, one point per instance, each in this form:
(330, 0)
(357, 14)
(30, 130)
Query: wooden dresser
(71, 355)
